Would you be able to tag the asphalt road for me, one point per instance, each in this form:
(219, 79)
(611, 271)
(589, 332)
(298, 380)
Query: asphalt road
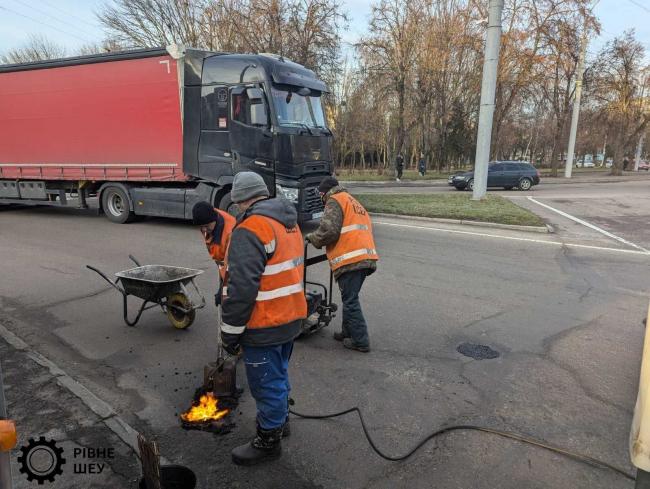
(565, 319)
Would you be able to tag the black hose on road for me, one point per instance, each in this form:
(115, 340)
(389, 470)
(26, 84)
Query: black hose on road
(465, 427)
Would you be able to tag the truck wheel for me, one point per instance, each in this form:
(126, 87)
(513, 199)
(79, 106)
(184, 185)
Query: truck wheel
(116, 206)
(226, 204)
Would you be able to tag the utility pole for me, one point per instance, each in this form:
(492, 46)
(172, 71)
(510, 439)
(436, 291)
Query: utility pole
(488, 90)
(639, 147)
(576, 102)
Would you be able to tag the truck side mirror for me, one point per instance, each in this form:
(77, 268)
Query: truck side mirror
(254, 94)
(258, 115)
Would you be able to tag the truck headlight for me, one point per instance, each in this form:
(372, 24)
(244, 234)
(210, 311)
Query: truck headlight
(289, 193)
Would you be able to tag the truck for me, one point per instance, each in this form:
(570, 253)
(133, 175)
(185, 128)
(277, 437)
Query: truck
(150, 132)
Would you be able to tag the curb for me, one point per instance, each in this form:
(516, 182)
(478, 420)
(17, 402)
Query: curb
(513, 227)
(108, 416)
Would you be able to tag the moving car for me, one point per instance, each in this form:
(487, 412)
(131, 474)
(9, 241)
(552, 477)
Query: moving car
(506, 174)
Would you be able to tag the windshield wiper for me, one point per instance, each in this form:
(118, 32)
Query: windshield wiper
(300, 124)
(326, 129)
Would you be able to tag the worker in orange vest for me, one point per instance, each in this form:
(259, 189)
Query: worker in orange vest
(216, 227)
(346, 232)
(263, 307)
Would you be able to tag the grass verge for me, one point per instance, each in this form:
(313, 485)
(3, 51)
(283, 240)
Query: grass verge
(451, 206)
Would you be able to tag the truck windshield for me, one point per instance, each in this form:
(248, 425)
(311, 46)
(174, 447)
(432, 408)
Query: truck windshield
(294, 109)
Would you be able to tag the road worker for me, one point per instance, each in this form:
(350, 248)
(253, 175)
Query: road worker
(346, 232)
(263, 307)
(216, 227)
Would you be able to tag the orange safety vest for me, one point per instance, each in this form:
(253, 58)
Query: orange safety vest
(281, 297)
(218, 250)
(355, 242)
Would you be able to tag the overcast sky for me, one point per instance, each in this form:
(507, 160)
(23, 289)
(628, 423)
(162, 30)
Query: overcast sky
(72, 23)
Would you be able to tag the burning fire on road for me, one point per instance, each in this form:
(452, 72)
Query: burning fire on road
(209, 413)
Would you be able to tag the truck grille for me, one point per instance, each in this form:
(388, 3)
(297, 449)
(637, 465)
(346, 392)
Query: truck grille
(311, 201)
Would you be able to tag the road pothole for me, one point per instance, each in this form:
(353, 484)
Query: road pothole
(477, 352)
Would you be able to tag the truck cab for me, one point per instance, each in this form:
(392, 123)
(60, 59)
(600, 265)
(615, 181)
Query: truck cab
(258, 113)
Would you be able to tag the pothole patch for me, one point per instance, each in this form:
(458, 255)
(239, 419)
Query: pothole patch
(477, 352)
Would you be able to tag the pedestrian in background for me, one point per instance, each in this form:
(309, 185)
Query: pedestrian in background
(422, 165)
(399, 166)
(346, 232)
(263, 307)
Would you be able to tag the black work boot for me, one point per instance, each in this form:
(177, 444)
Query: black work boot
(351, 345)
(340, 336)
(265, 446)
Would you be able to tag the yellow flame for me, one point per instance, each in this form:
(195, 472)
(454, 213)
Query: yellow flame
(207, 409)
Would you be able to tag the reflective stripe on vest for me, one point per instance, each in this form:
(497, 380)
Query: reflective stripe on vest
(284, 266)
(270, 247)
(353, 254)
(267, 295)
(355, 241)
(354, 227)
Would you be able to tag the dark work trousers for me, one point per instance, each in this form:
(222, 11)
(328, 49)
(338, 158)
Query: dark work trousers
(400, 170)
(267, 371)
(354, 324)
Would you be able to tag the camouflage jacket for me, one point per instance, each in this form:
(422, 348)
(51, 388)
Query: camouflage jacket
(329, 230)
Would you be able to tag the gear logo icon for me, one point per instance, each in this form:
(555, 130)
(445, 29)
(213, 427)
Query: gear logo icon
(41, 460)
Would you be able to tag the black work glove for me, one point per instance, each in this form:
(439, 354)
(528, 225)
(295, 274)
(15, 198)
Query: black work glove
(233, 349)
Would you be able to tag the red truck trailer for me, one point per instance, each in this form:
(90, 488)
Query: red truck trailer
(152, 131)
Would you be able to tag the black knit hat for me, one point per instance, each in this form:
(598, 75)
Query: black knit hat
(327, 184)
(203, 213)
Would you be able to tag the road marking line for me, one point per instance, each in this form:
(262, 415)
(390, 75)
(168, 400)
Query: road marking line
(589, 225)
(513, 238)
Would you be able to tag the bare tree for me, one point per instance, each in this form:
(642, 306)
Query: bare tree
(37, 48)
(389, 51)
(150, 23)
(619, 86)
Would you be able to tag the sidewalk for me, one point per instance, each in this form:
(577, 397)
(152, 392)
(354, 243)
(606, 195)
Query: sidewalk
(576, 179)
(94, 456)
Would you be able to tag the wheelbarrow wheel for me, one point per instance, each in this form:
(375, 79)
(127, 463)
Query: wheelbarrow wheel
(179, 319)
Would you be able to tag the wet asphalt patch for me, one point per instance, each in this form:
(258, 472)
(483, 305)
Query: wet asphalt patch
(477, 352)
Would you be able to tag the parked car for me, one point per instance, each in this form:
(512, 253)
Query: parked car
(506, 174)
(586, 162)
(644, 165)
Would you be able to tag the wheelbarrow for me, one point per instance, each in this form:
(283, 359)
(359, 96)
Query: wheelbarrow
(158, 285)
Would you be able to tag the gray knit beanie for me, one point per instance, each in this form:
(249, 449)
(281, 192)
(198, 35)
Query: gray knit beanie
(247, 185)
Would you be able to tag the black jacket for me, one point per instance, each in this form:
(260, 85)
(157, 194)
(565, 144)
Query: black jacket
(247, 259)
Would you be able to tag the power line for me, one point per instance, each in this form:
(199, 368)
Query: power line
(43, 23)
(65, 12)
(640, 5)
(51, 16)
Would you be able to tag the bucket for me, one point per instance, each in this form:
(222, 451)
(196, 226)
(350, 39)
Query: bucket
(174, 477)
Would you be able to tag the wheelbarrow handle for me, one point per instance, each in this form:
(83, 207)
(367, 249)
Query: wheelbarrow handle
(101, 274)
(134, 260)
